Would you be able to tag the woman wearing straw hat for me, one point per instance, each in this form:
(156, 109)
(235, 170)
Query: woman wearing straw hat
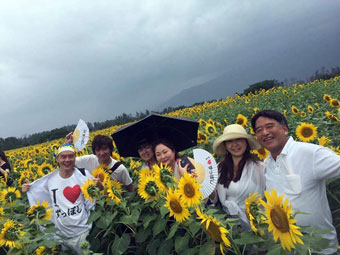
(239, 172)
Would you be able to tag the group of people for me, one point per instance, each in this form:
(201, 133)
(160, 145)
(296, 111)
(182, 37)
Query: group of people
(310, 166)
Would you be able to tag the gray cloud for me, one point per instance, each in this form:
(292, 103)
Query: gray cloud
(65, 60)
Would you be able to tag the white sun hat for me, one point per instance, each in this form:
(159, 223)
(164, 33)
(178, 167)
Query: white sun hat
(231, 132)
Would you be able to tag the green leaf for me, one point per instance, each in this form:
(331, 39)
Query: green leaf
(159, 226)
(104, 221)
(152, 247)
(148, 219)
(164, 211)
(194, 227)
(166, 247)
(208, 248)
(274, 249)
(181, 243)
(120, 244)
(142, 235)
(248, 237)
(132, 218)
(94, 216)
(173, 230)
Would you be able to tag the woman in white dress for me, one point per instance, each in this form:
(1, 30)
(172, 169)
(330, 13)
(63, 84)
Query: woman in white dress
(239, 172)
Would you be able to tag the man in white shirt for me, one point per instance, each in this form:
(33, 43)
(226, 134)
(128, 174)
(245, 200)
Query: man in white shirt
(62, 190)
(102, 148)
(299, 171)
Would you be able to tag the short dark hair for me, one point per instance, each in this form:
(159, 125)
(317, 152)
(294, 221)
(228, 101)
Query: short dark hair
(271, 114)
(100, 141)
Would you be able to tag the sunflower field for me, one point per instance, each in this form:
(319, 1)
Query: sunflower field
(167, 216)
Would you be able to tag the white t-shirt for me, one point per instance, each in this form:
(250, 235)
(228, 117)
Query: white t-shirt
(90, 162)
(304, 182)
(68, 203)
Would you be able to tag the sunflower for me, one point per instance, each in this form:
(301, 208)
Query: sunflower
(334, 103)
(241, 119)
(279, 217)
(90, 190)
(219, 125)
(144, 172)
(302, 114)
(113, 193)
(201, 137)
(164, 177)
(214, 228)
(176, 207)
(332, 117)
(317, 106)
(327, 98)
(44, 169)
(148, 188)
(2, 213)
(8, 196)
(25, 174)
(202, 122)
(116, 156)
(40, 212)
(101, 172)
(189, 190)
(310, 109)
(43, 250)
(306, 132)
(295, 110)
(253, 212)
(135, 165)
(210, 129)
(11, 234)
(323, 140)
(261, 153)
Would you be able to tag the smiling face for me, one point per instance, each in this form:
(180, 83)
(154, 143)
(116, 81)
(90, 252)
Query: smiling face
(236, 147)
(165, 155)
(66, 160)
(145, 152)
(103, 154)
(271, 135)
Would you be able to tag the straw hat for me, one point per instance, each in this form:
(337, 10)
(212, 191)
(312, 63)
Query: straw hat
(231, 132)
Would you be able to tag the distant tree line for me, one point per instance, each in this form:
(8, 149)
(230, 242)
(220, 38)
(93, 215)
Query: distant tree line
(37, 138)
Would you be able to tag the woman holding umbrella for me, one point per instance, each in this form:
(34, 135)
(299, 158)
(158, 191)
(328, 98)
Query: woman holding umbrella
(239, 173)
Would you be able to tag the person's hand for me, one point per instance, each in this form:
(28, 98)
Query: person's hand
(181, 170)
(98, 182)
(26, 186)
(69, 138)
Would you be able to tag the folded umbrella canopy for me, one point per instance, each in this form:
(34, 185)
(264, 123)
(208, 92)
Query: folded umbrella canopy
(179, 131)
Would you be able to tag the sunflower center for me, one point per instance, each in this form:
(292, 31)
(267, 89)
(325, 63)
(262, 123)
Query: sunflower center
(92, 190)
(46, 170)
(214, 232)
(279, 219)
(11, 196)
(210, 130)
(307, 132)
(189, 190)
(240, 121)
(11, 234)
(151, 188)
(175, 206)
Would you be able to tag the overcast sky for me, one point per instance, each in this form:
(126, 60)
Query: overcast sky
(69, 59)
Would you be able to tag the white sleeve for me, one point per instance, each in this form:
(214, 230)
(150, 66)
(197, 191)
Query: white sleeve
(121, 174)
(326, 164)
(85, 162)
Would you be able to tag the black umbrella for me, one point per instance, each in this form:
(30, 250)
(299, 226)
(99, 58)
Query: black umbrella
(180, 131)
